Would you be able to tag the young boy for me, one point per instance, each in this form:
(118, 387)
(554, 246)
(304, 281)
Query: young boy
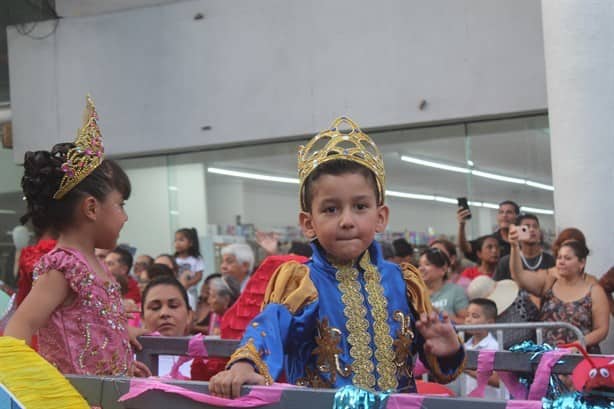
(482, 311)
(346, 316)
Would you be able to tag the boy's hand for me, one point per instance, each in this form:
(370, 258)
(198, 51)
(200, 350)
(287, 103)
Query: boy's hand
(227, 384)
(440, 338)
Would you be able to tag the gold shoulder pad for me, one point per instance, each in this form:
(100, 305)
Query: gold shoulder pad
(291, 286)
(417, 292)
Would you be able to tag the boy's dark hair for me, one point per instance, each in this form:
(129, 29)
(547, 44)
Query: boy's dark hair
(526, 216)
(42, 177)
(192, 236)
(300, 248)
(164, 280)
(402, 248)
(511, 203)
(336, 167)
(125, 257)
(159, 270)
(489, 308)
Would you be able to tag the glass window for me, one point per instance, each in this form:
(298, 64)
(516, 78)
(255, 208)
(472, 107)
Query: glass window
(229, 193)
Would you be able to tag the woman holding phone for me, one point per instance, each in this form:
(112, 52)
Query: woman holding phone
(566, 293)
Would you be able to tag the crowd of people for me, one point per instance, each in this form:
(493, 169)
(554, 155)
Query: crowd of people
(344, 310)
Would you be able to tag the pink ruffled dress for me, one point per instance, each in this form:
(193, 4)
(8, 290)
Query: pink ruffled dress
(89, 336)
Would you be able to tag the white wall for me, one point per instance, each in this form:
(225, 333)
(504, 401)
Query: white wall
(271, 69)
(148, 227)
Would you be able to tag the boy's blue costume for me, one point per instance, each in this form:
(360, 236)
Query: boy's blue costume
(327, 325)
(331, 327)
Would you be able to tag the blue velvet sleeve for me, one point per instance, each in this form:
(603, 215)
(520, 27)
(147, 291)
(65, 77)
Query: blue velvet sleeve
(272, 335)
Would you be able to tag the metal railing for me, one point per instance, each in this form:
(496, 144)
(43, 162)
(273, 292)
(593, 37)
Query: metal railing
(537, 326)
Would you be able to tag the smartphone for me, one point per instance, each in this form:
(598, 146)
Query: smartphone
(462, 203)
(523, 233)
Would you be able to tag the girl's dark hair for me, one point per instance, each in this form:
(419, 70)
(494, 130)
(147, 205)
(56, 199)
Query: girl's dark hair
(436, 257)
(192, 236)
(337, 167)
(42, 177)
(164, 280)
(579, 248)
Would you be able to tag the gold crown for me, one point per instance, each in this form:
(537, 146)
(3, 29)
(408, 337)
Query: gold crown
(335, 144)
(87, 154)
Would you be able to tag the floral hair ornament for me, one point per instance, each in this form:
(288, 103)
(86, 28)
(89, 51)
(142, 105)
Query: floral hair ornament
(336, 144)
(87, 154)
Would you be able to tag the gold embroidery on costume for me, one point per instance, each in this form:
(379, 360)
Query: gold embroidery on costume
(249, 353)
(438, 373)
(417, 292)
(357, 326)
(379, 310)
(402, 345)
(328, 351)
(313, 379)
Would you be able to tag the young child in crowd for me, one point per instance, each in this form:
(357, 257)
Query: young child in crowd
(346, 316)
(482, 311)
(191, 265)
(75, 303)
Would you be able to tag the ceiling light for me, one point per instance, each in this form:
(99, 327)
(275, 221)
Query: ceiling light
(494, 176)
(390, 193)
(443, 199)
(536, 210)
(434, 164)
(488, 175)
(490, 205)
(409, 195)
(540, 185)
(8, 211)
(255, 176)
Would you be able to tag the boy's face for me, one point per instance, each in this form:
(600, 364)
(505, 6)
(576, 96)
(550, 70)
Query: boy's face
(475, 315)
(344, 215)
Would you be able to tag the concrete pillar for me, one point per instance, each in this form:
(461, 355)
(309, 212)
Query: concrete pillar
(579, 52)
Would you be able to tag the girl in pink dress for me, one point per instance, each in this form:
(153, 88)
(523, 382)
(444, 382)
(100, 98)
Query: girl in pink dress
(75, 304)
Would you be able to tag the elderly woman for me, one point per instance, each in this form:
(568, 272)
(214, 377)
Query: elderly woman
(223, 292)
(567, 295)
